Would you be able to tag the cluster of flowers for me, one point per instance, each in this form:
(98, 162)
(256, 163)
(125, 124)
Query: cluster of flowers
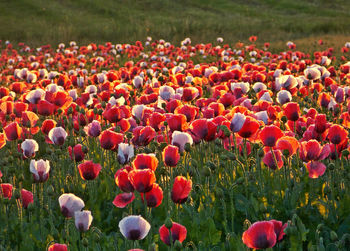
(243, 97)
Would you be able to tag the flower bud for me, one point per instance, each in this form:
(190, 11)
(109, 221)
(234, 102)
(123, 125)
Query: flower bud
(168, 223)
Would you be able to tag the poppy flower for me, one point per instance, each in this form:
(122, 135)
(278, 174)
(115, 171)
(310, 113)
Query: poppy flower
(283, 96)
(47, 125)
(13, 131)
(110, 140)
(180, 139)
(166, 92)
(122, 180)
(93, 129)
(203, 129)
(272, 158)
(292, 111)
(181, 189)
(324, 99)
(69, 204)
(337, 134)
(29, 147)
(312, 150)
(154, 197)
(125, 153)
(312, 73)
(156, 119)
(29, 119)
(134, 227)
(320, 123)
(35, 96)
(171, 155)
(145, 161)
(57, 135)
(76, 153)
(45, 108)
(269, 135)
(176, 122)
(249, 128)
(189, 111)
(83, 220)
(58, 247)
(279, 229)
(6, 190)
(143, 135)
(89, 170)
(116, 113)
(260, 235)
(237, 122)
(40, 170)
(316, 169)
(27, 198)
(178, 233)
(190, 93)
(123, 199)
(142, 180)
(288, 143)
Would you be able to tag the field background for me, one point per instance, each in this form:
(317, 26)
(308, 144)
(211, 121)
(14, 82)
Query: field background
(38, 22)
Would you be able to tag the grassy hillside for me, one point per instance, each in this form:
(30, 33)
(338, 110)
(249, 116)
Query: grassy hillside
(38, 22)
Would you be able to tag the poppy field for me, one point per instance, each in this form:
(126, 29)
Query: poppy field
(151, 145)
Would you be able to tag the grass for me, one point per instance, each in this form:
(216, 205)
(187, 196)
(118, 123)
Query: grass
(38, 22)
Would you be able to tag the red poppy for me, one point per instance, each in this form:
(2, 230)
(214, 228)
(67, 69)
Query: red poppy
(203, 129)
(143, 135)
(288, 143)
(76, 153)
(154, 197)
(172, 104)
(249, 128)
(320, 123)
(58, 247)
(45, 108)
(337, 134)
(122, 180)
(269, 135)
(142, 180)
(176, 122)
(316, 169)
(190, 93)
(110, 140)
(312, 150)
(324, 99)
(13, 131)
(292, 111)
(260, 235)
(27, 198)
(178, 233)
(181, 189)
(145, 161)
(114, 113)
(272, 158)
(156, 119)
(124, 199)
(279, 229)
(89, 170)
(47, 125)
(6, 190)
(171, 155)
(189, 111)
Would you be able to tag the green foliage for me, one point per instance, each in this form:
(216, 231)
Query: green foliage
(38, 22)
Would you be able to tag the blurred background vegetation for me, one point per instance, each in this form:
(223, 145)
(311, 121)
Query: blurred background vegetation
(38, 22)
